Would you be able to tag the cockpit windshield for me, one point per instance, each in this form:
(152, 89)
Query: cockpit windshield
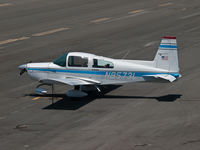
(61, 61)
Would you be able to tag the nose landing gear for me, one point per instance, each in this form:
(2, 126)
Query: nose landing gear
(41, 91)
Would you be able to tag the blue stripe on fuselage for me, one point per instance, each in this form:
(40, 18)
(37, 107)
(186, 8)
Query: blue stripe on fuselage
(70, 71)
(137, 74)
(168, 46)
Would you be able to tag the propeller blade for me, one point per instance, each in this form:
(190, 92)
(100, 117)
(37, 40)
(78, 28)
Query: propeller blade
(22, 71)
(22, 68)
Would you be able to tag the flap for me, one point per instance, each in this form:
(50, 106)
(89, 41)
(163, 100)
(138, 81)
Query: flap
(164, 76)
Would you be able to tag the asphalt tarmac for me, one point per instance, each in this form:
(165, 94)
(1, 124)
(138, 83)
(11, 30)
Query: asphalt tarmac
(133, 116)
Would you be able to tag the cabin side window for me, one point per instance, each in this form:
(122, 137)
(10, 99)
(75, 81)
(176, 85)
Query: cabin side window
(98, 63)
(77, 61)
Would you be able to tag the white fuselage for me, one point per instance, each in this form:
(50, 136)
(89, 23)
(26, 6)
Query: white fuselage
(79, 69)
(124, 72)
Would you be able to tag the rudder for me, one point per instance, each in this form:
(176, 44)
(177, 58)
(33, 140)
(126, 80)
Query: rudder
(166, 56)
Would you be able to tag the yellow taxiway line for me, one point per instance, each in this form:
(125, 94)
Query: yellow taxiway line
(36, 98)
(5, 4)
(50, 31)
(136, 11)
(165, 4)
(14, 40)
(100, 20)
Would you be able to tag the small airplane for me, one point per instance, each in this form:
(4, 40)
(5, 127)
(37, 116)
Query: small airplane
(84, 70)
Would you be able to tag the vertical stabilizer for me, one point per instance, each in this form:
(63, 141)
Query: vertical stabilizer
(166, 56)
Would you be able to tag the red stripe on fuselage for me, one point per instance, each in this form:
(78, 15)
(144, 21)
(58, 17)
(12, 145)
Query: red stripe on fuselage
(169, 37)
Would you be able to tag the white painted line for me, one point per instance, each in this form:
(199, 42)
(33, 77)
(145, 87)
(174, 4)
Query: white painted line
(191, 15)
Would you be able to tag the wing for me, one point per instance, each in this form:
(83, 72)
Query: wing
(72, 81)
(163, 76)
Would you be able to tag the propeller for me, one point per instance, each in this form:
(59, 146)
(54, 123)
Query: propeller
(23, 68)
(22, 71)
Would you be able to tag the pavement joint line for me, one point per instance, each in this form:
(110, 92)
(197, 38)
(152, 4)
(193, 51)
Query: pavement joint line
(3, 117)
(193, 29)
(5, 4)
(2, 47)
(191, 15)
(36, 98)
(125, 17)
(14, 40)
(150, 43)
(117, 53)
(136, 11)
(14, 112)
(50, 31)
(165, 4)
(100, 20)
(126, 54)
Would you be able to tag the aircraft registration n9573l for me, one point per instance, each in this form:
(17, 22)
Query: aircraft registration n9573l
(82, 70)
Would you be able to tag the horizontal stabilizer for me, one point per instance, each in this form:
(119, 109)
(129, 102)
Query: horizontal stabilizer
(164, 76)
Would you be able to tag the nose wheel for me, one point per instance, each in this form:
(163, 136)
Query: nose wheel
(41, 91)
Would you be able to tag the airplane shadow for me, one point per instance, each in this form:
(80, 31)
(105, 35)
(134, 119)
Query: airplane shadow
(67, 103)
(165, 98)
